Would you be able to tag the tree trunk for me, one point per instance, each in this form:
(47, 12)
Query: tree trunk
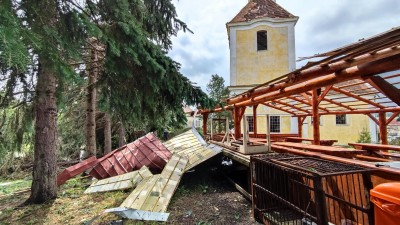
(107, 133)
(44, 185)
(91, 101)
(121, 135)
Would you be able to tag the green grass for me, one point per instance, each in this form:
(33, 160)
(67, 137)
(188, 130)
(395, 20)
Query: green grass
(9, 187)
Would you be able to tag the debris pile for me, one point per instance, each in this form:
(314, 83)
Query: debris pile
(152, 169)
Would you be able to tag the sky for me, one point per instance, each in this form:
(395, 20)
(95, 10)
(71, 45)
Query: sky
(323, 25)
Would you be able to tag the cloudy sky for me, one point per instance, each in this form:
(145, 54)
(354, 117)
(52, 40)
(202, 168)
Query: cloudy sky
(323, 26)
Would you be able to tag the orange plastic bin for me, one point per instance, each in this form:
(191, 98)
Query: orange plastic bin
(386, 198)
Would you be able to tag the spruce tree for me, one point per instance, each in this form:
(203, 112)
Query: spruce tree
(44, 41)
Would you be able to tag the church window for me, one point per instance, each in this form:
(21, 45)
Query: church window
(250, 121)
(262, 40)
(275, 124)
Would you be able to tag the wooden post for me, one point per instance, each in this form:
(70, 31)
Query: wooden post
(237, 116)
(212, 128)
(315, 117)
(383, 128)
(228, 131)
(205, 117)
(300, 122)
(268, 134)
(255, 120)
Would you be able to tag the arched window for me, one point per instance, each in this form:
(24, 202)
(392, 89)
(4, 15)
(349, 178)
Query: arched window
(262, 40)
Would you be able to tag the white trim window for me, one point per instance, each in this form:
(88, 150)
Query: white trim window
(275, 124)
(341, 120)
(250, 121)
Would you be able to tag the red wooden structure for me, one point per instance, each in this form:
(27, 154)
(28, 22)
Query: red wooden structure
(146, 151)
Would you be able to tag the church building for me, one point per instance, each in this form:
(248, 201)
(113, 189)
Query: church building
(262, 49)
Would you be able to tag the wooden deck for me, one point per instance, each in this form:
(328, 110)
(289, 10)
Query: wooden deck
(121, 182)
(190, 145)
(155, 193)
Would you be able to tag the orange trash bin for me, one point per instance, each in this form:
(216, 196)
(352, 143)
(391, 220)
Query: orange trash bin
(386, 198)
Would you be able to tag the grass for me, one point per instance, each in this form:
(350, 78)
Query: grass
(71, 206)
(9, 187)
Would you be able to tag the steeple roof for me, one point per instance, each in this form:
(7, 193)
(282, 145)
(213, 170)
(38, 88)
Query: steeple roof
(257, 9)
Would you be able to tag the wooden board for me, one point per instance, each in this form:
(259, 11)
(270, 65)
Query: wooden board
(322, 149)
(191, 146)
(125, 181)
(375, 147)
(155, 193)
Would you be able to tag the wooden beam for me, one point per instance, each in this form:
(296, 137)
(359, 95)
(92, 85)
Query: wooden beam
(392, 118)
(364, 70)
(291, 106)
(385, 88)
(306, 103)
(315, 72)
(373, 118)
(315, 116)
(349, 94)
(279, 108)
(383, 128)
(354, 112)
(326, 91)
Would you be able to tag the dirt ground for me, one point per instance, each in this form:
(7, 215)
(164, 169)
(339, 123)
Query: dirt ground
(203, 197)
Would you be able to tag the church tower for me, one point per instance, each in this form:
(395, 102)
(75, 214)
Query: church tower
(262, 44)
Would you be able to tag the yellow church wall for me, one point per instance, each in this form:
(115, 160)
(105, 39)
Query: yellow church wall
(256, 67)
(343, 133)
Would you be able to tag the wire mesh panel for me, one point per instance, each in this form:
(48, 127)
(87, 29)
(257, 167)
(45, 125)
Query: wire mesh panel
(289, 189)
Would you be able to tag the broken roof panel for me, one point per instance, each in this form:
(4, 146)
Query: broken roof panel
(146, 151)
(76, 169)
(125, 181)
(257, 9)
(155, 193)
(193, 146)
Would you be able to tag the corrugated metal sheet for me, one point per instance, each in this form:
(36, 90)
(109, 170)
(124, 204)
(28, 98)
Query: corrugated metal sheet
(155, 193)
(193, 146)
(121, 182)
(76, 169)
(146, 151)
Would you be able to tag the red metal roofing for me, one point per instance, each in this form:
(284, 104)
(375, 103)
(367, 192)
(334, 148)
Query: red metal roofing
(76, 169)
(146, 151)
(257, 9)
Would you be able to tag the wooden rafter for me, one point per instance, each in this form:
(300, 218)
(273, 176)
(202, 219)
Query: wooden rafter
(385, 87)
(278, 108)
(306, 103)
(291, 106)
(349, 94)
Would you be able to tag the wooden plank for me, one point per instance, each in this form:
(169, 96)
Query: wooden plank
(121, 182)
(319, 148)
(147, 196)
(374, 147)
(138, 197)
(385, 87)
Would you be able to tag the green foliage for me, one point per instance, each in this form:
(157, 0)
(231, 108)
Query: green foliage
(217, 90)
(364, 136)
(395, 141)
(139, 84)
(219, 93)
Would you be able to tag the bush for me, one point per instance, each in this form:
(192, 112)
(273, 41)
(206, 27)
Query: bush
(364, 136)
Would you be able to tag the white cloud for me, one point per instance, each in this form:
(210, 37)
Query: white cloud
(323, 26)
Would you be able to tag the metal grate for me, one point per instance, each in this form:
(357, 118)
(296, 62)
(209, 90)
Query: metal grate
(289, 189)
(320, 166)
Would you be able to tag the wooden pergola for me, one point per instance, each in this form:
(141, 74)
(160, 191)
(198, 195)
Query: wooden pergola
(359, 78)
